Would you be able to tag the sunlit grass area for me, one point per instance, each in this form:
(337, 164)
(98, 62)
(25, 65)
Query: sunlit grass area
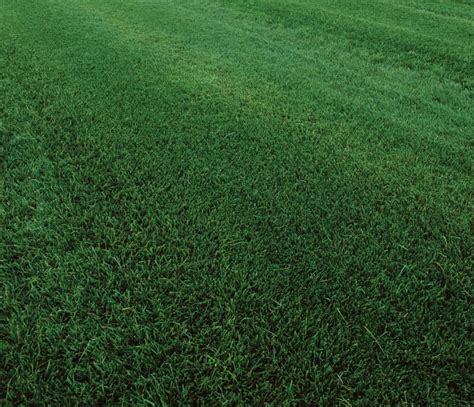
(236, 202)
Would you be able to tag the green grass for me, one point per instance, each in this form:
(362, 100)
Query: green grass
(239, 202)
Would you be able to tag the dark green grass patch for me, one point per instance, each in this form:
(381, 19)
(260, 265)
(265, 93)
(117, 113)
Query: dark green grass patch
(236, 202)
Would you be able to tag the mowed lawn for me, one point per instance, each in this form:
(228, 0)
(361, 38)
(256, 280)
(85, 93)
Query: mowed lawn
(237, 202)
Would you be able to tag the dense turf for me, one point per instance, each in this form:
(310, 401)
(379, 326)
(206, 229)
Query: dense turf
(236, 201)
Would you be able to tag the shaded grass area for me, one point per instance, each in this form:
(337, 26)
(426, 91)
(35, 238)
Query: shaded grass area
(237, 202)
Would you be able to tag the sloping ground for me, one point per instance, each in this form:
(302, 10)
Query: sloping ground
(236, 202)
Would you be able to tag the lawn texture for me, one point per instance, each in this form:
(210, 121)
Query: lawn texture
(236, 202)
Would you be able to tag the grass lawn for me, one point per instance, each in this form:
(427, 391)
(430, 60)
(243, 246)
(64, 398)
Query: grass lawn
(239, 202)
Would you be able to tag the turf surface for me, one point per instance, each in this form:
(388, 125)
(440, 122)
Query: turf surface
(236, 202)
